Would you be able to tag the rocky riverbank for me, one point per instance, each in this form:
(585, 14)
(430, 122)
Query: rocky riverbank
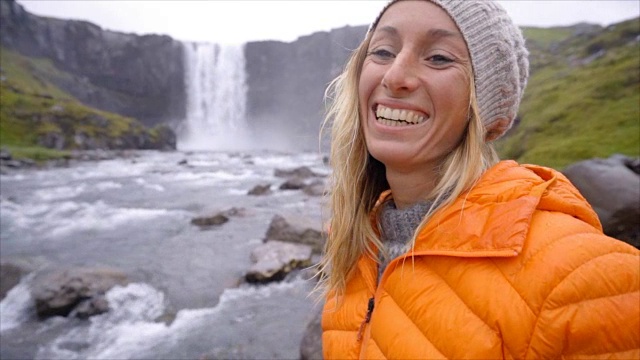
(9, 163)
(183, 231)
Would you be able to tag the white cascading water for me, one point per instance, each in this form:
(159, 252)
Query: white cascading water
(216, 92)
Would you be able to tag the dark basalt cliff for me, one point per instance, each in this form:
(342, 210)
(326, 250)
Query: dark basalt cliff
(143, 76)
(286, 81)
(137, 76)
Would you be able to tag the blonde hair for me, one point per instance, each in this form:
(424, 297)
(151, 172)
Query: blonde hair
(358, 179)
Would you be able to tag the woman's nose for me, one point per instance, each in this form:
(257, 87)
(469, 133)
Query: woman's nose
(401, 76)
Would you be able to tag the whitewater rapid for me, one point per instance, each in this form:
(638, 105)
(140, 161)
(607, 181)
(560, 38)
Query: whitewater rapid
(186, 298)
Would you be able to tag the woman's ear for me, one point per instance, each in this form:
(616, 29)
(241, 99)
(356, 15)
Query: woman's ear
(496, 129)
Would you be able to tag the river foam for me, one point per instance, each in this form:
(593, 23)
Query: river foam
(130, 329)
(63, 218)
(17, 306)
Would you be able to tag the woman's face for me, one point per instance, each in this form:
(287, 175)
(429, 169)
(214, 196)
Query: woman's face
(414, 87)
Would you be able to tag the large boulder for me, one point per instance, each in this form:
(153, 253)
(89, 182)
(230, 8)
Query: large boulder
(273, 260)
(58, 292)
(297, 230)
(612, 187)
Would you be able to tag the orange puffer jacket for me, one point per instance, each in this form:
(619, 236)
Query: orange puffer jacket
(518, 268)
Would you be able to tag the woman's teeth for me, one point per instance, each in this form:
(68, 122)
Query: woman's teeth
(397, 117)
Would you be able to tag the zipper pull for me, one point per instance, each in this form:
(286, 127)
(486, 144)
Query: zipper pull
(367, 317)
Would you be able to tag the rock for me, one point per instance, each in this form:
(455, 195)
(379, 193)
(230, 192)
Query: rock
(311, 344)
(5, 155)
(93, 306)
(296, 230)
(633, 164)
(295, 183)
(162, 138)
(13, 164)
(219, 218)
(260, 190)
(302, 172)
(52, 140)
(82, 140)
(613, 190)
(274, 259)
(316, 188)
(58, 292)
(214, 220)
(28, 163)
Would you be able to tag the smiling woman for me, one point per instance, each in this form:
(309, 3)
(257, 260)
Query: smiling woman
(436, 248)
(417, 66)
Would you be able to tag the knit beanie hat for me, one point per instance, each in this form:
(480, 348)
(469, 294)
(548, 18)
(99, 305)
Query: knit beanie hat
(498, 57)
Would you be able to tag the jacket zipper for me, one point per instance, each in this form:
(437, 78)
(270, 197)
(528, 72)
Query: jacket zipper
(371, 304)
(367, 318)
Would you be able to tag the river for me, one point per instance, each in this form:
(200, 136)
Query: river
(186, 299)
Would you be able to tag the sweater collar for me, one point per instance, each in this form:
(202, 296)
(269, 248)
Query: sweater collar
(493, 218)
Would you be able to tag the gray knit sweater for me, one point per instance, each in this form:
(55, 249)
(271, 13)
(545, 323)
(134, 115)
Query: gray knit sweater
(397, 228)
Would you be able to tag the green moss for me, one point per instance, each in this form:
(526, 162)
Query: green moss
(37, 153)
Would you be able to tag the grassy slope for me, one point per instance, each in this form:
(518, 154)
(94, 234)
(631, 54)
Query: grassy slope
(574, 109)
(30, 106)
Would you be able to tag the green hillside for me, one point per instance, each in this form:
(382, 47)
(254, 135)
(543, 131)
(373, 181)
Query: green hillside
(583, 96)
(40, 121)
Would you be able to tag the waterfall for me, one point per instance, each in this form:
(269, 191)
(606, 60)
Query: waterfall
(216, 92)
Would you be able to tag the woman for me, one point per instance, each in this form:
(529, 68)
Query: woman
(437, 250)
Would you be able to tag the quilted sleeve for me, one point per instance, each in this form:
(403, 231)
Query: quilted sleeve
(594, 311)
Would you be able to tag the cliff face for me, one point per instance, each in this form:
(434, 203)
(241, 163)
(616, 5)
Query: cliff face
(136, 76)
(286, 82)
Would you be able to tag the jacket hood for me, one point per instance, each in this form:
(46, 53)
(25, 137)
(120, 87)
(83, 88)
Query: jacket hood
(493, 218)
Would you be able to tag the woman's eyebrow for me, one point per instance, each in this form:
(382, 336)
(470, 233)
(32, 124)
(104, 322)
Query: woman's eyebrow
(433, 33)
(390, 30)
(443, 33)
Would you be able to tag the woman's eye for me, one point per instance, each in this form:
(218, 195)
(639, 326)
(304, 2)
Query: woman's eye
(382, 54)
(440, 59)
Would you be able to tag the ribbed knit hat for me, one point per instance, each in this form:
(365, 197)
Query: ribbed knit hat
(498, 57)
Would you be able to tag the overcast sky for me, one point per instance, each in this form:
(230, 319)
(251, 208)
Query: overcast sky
(241, 21)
